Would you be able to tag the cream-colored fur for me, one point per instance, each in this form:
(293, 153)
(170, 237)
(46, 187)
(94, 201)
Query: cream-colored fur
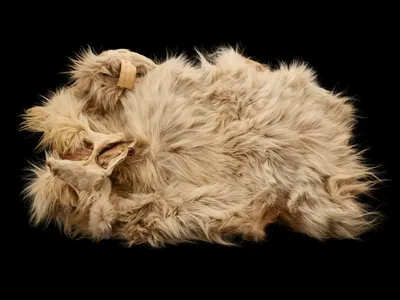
(223, 148)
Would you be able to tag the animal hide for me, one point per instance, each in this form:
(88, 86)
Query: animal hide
(197, 151)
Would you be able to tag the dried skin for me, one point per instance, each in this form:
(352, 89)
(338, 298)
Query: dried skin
(80, 154)
(105, 156)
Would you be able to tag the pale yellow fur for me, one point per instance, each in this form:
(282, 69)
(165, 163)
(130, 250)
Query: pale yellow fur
(223, 148)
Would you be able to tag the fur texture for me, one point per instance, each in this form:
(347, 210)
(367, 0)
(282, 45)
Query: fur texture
(223, 148)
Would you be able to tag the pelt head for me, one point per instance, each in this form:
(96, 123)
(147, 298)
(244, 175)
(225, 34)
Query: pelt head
(89, 175)
(62, 118)
(96, 76)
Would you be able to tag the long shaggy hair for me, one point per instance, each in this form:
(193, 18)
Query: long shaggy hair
(223, 148)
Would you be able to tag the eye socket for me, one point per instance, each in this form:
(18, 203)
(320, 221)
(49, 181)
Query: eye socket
(105, 71)
(140, 71)
(107, 76)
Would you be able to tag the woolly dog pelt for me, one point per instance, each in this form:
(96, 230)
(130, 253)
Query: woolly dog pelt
(222, 148)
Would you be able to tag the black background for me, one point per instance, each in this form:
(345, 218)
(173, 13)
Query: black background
(351, 50)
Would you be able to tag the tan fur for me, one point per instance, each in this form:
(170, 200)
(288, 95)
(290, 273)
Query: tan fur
(224, 148)
(93, 186)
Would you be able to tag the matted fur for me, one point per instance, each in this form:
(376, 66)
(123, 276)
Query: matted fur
(224, 147)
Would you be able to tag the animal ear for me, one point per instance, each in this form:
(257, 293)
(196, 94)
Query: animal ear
(71, 172)
(34, 119)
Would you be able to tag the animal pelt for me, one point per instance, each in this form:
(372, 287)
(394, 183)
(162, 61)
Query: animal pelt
(224, 146)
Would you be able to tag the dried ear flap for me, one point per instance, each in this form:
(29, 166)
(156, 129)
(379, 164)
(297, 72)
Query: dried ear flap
(127, 75)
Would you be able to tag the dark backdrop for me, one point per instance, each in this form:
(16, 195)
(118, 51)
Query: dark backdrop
(351, 52)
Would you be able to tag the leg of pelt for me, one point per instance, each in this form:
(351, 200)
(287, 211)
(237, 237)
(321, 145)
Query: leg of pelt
(251, 221)
(60, 122)
(50, 198)
(326, 213)
(179, 214)
(101, 218)
(63, 127)
(96, 76)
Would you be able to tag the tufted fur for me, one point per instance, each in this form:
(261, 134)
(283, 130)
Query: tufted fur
(224, 148)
